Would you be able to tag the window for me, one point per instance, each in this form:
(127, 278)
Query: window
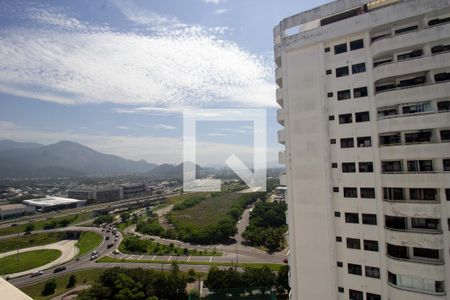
(424, 223)
(339, 264)
(355, 295)
(334, 165)
(333, 141)
(423, 194)
(418, 137)
(340, 289)
(393, 194)
(370, 296)
(353, 243)
(345, 118)
(385, 87)
(339, 239)
(397, 251)
(426, 253)
(359, 68)
(330, 95)
(445, 135)
(347, 143)
(360, 92)
(447, 194)
(395, 222)
(327, 49)
(367, 193)
(336, 189)
(365, 167)
(342, 95)
(357, 44)
(440, 48)
(438, 21)
(406, 29)
(442, 77)
(350, 192)
(362, 116)
(420, 165)
(390, 139)
(382, 61)
(370, 245)
(393, 166)
(351, 218)
(372, 272)
(409, 55)
(337, 214)
(348, 167)
(446, 164)
(342, 71)
(354, 269)
(417, 108)
(369, 219)
(388, 111)
(341, 48)
(328, 72)
(364, 141)
(330, 118)
(443, 106)
(412, 81)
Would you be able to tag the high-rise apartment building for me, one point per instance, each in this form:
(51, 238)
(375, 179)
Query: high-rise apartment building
(364, 90)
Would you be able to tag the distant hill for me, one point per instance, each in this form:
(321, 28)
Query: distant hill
(167, 171)
(64, 158)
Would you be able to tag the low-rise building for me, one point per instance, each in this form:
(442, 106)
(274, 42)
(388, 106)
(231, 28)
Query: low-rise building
(54, 203)
(81, 194)
(131, 190)
(8, 211)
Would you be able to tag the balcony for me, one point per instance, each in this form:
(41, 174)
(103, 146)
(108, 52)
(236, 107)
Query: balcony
(279, 77)
(282, 157)
(416, 180)
(414, 121)
(412, 65)
(277, 54)
(414, 238)
(279, 93)
(281, 136)
(280, 116)
(409, 208)
(412, 39)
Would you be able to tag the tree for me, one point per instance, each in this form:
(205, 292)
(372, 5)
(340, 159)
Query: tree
(283, 279)
(125, 217)
(49, 288)
(30, 227)
(72, 281)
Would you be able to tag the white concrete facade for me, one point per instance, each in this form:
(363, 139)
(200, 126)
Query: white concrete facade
(364, 90)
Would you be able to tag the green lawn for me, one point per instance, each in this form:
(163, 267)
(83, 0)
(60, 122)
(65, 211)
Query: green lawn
(27, 260)
(83, 277)
(272, 266)
(208, 211)
(31, 240)
(180, 198)
(38, 225)
(88, 241)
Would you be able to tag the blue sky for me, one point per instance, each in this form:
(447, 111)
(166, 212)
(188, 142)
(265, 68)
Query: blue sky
(115, 75)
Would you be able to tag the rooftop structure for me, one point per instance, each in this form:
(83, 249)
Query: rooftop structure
(54, 203)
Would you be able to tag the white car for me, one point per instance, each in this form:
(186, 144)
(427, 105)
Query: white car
(38, 273)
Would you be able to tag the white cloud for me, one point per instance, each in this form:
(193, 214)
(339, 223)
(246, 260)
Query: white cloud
(123, 127)
(64, 60)
(216, 2)
(164, 126)
(221, 11)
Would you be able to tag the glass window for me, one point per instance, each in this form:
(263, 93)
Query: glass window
(330, 94)
(407, 29)
(341, 289)
(348, 167)
(362, 116)
(365, 167)
(343, 95)
(395, 222)
(354, 269)
(336, 189)
(364, 141)
(393, 194)
(359, 68)
(369, 219)
(360, 92)
(339, 264)
(424, 223)
(372, 272)
(350, 192)
(337, 214)
(391, 139)
(397, 251)
(443, 105)
(367, 193)
(342, 71)
(333, 141)
(338, 239)
(357, 44)
(445, 135)
(341, 48)
(418, 137)
(353, 243)
(426, 253)
(446, 164)
(409, 55)
(386, 112)
(442, 77)
(355, 295)
(345, 118)
(370, 245)
(370, 296)
(417, 108)
(351, 218)
(391, 166)
(328, 72)
(347, 143)
(327, 49)
(420, 165)
(423, 194)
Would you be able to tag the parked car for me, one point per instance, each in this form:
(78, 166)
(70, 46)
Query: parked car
(106, 238)
(59, 269)
(94, 257)
(116, 252)
(110, 245)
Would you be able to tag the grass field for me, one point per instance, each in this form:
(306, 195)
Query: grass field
(27, 260)
(208, 211)
(83, 277)
(31, 240)
(38, 225)
(180, 198)
(272, 266)
(88, 241)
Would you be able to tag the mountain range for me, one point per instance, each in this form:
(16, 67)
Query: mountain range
(68, 159)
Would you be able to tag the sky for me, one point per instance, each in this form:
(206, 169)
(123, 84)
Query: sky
(116, 75)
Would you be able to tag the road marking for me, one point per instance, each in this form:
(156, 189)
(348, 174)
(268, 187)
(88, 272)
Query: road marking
(210, 260)
(189, 258)
(153, 258)
(169, 258)
(125, 256)
(140, 257)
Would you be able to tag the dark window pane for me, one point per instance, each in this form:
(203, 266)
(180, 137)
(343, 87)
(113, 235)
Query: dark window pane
(368, 193)
(347, 143)
(355, 295)
(370, 245)
(393, 194)
(372, 272)
(342, 71)
(370, 296)
(406, 29)
(342, 95)
(395, 222)
(341, 48)
(365, 167)
(360, 92)
(358, 68)
(350, 192)
(354, 269)
(362, 116)
(353, 243)
(357, 44)
(351, 218)
(369, 219)
(345, 118)
(348, 167)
